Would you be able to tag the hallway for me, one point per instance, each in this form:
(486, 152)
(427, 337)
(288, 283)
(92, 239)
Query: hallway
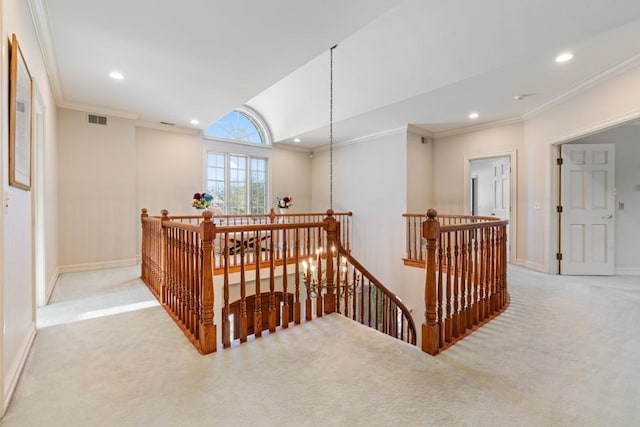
(565, 352)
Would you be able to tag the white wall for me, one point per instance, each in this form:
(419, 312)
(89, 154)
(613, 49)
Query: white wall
(419, 173)
(609, 103)
(16, 253)
(291, 176)
(97, 190)
(370, 179)
(627, 142)
(452, 155)
(169, 170)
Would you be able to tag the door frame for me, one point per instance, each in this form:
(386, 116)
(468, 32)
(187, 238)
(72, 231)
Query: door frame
(513, 192)
(555, 183)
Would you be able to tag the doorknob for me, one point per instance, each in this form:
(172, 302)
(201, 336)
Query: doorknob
(607, 217)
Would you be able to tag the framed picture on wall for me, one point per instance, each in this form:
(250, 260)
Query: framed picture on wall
(20, 104)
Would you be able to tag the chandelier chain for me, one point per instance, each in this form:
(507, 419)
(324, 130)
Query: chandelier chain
(331, 127)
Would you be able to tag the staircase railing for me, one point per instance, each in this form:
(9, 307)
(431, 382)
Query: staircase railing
(179, 260)
(309, 239)
(465, 276)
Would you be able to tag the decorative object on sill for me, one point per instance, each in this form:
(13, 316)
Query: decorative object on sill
(284, 202)
(202, 200)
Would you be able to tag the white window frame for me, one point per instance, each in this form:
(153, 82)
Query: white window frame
(260, 125)
(227, 149)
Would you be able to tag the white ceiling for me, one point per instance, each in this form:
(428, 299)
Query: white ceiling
(422, 62)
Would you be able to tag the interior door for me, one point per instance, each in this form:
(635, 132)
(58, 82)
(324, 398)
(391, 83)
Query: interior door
(501, 188)
(501, 194)
(587, 236)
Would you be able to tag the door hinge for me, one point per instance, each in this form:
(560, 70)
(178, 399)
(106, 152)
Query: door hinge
(559, 256)
(559, 209)
(559, 161)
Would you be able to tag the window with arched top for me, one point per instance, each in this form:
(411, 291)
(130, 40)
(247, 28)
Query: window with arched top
(238, 175)
(240, 125)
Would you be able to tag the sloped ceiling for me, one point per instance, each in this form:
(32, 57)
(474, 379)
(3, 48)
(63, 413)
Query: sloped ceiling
(423, 62)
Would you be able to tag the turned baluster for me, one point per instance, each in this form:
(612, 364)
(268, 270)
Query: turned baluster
(226, 324)
(272, 286)
(285, 299)
(257, 305)
(243, 323)
(449, 320)
(296, 303)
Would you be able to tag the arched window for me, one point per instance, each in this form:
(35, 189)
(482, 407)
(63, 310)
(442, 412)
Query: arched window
(240, 125)
(238, 176)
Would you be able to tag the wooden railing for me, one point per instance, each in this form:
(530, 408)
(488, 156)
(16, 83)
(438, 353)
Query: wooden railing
(416, 254)
(309, 238)
(465, 276)
(179, 259)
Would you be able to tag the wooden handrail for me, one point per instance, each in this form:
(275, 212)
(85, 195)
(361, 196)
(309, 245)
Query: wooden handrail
(408, 334)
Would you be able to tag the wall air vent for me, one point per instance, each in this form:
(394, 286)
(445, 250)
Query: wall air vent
(95, 119)
(168, 124)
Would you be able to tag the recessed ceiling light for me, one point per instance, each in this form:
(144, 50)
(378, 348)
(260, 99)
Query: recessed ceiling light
(474, 116)
(195, 122)
(296, 140)
(116, 75)
(564, 57)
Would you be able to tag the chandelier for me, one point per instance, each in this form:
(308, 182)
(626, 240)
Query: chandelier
(315, 273)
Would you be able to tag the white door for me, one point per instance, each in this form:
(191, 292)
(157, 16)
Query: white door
(587, 237)
(500, 189)
(501, 194)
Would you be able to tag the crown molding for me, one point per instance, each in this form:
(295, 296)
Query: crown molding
(617, 69)
(40, 17)
(98, 110)
(167, 128)
(420, 131)
(364, 138)
(597, 127)
(478, 127)
(286, 146)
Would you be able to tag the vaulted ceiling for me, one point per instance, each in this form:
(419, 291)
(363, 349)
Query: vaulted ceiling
(427, 63)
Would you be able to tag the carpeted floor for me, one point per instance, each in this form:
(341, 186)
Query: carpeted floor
(565, 353)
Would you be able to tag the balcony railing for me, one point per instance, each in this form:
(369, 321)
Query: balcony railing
(252, 273)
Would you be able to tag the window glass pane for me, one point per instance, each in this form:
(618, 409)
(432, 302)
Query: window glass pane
(258, 199)
(236, 188)
(215, 178)
(236, 125)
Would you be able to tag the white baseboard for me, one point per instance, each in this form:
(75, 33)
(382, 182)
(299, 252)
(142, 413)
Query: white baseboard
(51, 285)
(13, 375)
(627, 271)
(531, 265)
(97, 265)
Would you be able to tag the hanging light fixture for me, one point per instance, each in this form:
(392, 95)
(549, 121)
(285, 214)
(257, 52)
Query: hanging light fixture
(315, 268)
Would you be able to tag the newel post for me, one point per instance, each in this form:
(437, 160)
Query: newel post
(207, 335)
(331, 228)
(143, 248)
(164, 254)
(430, 329)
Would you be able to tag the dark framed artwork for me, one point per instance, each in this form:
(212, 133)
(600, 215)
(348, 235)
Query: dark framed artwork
(20, 105)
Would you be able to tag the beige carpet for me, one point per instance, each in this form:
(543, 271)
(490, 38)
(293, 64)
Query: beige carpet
(565, 353)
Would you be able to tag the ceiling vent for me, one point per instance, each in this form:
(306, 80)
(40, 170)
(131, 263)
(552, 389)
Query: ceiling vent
(95, 119)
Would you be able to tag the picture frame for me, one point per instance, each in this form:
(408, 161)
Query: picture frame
(20, 108)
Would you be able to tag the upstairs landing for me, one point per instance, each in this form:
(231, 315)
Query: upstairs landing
(107, 354)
